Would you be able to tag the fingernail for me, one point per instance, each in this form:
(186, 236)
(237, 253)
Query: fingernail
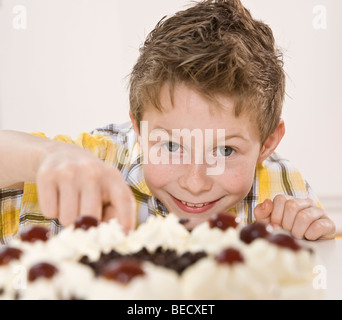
(263, 206)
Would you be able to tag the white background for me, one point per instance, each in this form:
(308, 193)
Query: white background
(66, 72)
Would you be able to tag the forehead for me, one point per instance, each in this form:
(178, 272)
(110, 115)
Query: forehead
(184, 107)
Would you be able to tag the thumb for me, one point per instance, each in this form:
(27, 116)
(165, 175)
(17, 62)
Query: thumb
(262, 211)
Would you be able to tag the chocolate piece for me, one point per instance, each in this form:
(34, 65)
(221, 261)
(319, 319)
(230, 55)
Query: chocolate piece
(122, 270)
(166, 258)
(183, 221)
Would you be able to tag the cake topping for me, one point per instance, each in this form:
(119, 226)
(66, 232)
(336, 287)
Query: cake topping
(229, 256)
(183, 221)
(284, 240)
(122, 270)
(253, 231)
(223, 221)
(41, 270)
(166, 258)
(34, 234)
(8, 254)
(86, 222)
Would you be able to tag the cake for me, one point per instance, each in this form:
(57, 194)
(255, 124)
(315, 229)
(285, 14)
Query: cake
(221, 258)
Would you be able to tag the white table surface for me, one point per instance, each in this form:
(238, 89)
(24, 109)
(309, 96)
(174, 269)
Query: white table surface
(328, 257)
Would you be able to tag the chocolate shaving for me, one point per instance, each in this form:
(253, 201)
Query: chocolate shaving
(162, 257)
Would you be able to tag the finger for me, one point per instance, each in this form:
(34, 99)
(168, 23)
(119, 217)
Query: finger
(91, 201)
(121, 204)
(68, 203)
(126, 209)
(278, 209)
(110, 212)
(321, 229)
(48, 199)
(292, 208)
(262, 211)
(305, 219)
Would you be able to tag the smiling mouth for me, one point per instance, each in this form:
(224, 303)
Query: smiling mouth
(197, 205)
(194, 207)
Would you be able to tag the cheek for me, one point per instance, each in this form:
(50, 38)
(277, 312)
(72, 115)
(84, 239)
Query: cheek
(157, 176)
(238, 180)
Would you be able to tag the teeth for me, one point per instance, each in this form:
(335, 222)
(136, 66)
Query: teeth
(198, 205)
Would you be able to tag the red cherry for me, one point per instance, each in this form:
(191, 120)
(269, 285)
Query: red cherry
(8, 254)
(35, 233)
(253, 231)
(284, 240)
(122, 270)
(42, 270)
(223, 221)
(229, 256)
(86, 222)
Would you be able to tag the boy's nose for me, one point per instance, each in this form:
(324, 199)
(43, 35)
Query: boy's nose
(196, 179)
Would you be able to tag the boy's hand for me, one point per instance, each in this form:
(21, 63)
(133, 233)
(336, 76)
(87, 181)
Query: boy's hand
(302, 217)
(71, 182)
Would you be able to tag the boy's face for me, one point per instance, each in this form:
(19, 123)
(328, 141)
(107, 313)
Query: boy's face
(198, 177)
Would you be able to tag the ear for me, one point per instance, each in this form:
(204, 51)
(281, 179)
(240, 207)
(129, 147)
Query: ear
(272, 141)
(135, 125)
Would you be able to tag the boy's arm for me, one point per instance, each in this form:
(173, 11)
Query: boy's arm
(20, 156)
(71, 182)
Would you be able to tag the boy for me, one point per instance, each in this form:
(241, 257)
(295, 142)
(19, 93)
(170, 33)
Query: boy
(209, 74)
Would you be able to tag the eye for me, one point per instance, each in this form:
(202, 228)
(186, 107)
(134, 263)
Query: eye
(172, 146)
(225, 151)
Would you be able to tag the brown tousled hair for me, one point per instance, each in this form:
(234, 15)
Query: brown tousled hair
(217, 48)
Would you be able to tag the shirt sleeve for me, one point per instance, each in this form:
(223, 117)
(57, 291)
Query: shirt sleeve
(10, 203)
(277, 175)
(274, 176)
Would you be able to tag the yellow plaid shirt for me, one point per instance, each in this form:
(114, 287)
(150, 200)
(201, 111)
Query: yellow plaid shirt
(117, 145)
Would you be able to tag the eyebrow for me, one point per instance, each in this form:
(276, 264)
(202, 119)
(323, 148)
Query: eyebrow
(227, 137)
(235, 136)
(169, 131)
